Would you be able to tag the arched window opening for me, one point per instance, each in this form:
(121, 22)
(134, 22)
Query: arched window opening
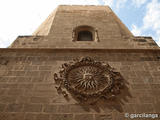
(85, 33)
(85, 36)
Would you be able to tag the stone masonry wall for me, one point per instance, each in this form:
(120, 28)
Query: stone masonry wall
(27, 88)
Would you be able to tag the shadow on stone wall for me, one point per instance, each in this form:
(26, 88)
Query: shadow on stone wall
(93, 84)
(108, 104)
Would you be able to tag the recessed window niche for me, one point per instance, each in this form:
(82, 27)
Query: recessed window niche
(85, 33)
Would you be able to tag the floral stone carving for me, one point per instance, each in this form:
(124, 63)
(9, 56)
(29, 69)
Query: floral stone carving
(88, 80)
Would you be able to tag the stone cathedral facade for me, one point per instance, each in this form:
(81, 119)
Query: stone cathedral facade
(82, 63)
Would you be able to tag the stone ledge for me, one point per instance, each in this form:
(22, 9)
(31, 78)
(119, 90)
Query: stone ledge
(77, 50)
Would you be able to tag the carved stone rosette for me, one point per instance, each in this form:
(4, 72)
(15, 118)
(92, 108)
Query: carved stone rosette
(88, 80)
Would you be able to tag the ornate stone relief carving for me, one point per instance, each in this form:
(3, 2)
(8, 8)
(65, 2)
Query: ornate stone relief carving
(88, 80)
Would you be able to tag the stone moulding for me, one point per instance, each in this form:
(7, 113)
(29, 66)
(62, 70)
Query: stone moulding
(88, 80)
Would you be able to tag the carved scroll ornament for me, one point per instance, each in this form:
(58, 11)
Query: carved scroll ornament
(88, 80)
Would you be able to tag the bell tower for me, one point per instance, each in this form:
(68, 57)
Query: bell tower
(82, 63)
(94, 27)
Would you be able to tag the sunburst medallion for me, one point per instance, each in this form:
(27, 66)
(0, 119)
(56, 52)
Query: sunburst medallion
(87, 79)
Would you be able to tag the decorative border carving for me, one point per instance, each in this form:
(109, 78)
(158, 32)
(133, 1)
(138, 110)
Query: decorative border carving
(88, 80)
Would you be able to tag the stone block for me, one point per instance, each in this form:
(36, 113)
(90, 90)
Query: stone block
(44, 86)
(83, 116)
(3, 92)
(37, 62)
(7, 99)
(38, 79)
(15, 92)
(146, 99)
(30, 116)
(144, 108)
(13, 79)
(32, 73)
(156, 74)
(2, 107)
(45, 67)
(62, 117)
(16, 73)
(129, 108)
(157, 107)
(103, 117)
(23, 99)
(4, 116)
(155, 86)
(125, 68)
(26, 86)
(31, 68)
(23, 79)
(64, 109)
(43, 117)
(40, 100)
(3, 79)
(45, 73)
(42, 93)
(79, 109)
(14, 108)
(119, 116)
(140, 86)
(11, 116)
(32, 108)
(18, 67)
(50, 108)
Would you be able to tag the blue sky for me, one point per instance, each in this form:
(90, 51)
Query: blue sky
(22, 17)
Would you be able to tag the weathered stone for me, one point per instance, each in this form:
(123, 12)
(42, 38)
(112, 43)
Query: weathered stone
(2, 107)
(64, 109)
(40, 100)
(84, 117)
(32, 108)
(15, 92)
(103, 117)
(30, 116)
(43, 117)
(144, 108)
(50, 108)
(79, 109)
(28, 90)
(14, 108)
(62, 117)
(45, 67)
(7, 99)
